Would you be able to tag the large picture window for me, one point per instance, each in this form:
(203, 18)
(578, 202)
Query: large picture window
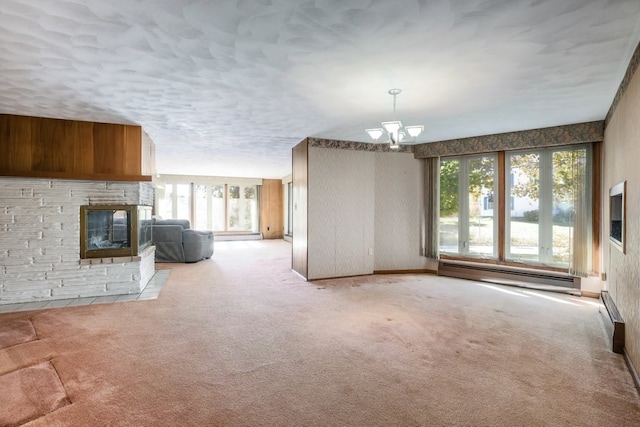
(551, 191)
(468, 205)
(547, 217)
(231, 207)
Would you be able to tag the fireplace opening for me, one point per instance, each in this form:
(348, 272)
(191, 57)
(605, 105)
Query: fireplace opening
(114, 230)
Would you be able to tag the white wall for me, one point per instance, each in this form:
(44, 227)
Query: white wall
(40, 241)
(399, 210)
(340, 216)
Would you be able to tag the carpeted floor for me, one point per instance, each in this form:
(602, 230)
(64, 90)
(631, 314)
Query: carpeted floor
(240, 340)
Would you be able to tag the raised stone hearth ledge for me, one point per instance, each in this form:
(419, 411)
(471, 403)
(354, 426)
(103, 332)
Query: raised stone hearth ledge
(40, 241)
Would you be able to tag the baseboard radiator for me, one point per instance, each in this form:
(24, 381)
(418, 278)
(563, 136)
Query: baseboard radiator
(223, 237)
(512, 276)
(613, 322)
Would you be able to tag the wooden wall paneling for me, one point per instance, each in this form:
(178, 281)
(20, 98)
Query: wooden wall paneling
(6, 143)
(69, 149)
(15, 143)
(108, 149)
(299, 256)
(41, 150)
(62, 145)
(132, 150)
(52, 145)
(82, 137)
(271, 214)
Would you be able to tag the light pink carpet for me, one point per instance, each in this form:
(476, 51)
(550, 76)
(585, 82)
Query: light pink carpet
(239, 340)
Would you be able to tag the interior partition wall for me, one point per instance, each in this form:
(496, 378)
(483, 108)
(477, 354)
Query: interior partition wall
(357, 209)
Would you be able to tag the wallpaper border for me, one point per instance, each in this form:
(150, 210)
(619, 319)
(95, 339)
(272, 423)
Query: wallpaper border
(357, 146)
(536, 138)
(624, 84)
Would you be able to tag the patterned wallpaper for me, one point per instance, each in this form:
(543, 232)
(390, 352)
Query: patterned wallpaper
(340, 213)
(399, 213)
(622, 89)
(545, 137)
(620, 153)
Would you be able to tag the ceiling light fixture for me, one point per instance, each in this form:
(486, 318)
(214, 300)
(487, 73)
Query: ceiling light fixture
(394, 129)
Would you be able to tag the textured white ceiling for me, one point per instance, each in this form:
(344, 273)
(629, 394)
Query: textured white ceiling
(229, 87)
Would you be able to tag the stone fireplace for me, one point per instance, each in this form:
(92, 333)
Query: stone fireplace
(40, 250)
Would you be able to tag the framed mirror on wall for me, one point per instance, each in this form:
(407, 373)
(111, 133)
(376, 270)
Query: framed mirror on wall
(617, 214)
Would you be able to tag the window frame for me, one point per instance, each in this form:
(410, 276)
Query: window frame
(503, 177)
(463, 233)
(192, 202)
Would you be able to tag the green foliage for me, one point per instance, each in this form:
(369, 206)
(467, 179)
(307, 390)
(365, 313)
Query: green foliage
(568, 174)
(481, 176)
(568, 177)
(531, 216)
(217, 191)
(250, 192)
(448, 187)
(527, 165)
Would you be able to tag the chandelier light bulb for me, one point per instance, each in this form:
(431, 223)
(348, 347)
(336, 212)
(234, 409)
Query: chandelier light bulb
(375, 134)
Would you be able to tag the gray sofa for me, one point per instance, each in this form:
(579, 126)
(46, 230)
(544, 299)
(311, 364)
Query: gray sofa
(175, 241)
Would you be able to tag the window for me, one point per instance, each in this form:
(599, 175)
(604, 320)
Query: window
(242, 214)
(221, 208)
(548, 219)
(467, 205)
(218, 210)
(549, 190)
(174, 201)
(164, 201)
(201, 208)
(183, 197)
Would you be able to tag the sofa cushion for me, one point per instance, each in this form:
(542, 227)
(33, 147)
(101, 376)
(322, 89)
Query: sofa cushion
(184, 223)
(176, 242)
(198, 245)
(168, 242)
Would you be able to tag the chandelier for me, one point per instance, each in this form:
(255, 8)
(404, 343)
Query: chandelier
(395, 131)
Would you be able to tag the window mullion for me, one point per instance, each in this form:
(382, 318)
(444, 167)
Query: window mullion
(174, 200)
(502, 209)
(463, 203)
(208, 189)
(545, 210)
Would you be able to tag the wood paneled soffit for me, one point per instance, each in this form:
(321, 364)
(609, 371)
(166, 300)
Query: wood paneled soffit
(55, 148)
(536, 138)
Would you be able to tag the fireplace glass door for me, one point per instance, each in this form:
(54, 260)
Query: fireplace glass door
(114, 230)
